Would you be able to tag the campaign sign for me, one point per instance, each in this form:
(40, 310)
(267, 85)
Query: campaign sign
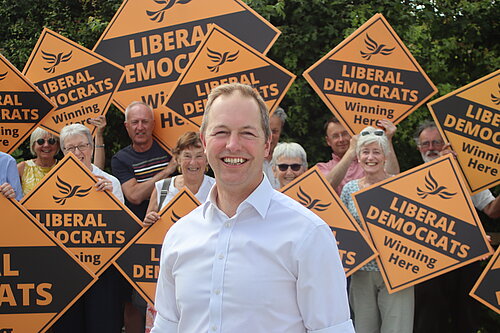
(22, 107)
(39, 278)
(469, 118)
(154, 39)
(80, 82)
(487, 288)
(93, 224)
(314, 192)
(370, 76)
(140, 263)
(422, 222)
(220, 58)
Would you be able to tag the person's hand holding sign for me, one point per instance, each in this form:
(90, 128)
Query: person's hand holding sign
(8, 191)
(103, 184)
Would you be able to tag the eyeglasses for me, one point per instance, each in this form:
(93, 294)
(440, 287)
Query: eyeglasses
(50, 141)
(284, 167)
(376, 132)
(435, 143)
(83, 147)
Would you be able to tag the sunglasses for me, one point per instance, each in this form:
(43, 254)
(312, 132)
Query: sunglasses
(50, 141)
(376, 132)
(284, 167)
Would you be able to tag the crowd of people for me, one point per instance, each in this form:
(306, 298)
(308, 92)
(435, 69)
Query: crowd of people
(249, 259)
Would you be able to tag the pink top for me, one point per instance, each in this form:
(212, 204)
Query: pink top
(354, 172)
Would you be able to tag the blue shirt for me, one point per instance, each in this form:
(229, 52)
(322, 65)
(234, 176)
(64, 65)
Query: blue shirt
(9, 174)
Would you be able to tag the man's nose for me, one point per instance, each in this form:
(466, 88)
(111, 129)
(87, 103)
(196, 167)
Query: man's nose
(233, 142)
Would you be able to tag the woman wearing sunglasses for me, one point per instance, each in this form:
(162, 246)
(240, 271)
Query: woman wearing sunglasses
(289, 161)
(44, 146)
(375, 310)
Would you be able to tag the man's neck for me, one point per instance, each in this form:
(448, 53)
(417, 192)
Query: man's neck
(229, 199)
(140, 148)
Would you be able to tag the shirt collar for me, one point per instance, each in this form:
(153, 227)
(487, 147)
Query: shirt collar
(259, 199)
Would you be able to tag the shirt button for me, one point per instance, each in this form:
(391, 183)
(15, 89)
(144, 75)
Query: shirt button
(221, 256)
(214, 328)
(227, 224)
(217, 291)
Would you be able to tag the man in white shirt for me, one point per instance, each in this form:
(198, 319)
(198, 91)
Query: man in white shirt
(249, 259)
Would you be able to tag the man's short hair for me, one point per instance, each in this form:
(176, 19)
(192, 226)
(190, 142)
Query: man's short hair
(245, 91)
(280, 114)
(131, 105)
(421, 127)
(332, 119)
(289, 150)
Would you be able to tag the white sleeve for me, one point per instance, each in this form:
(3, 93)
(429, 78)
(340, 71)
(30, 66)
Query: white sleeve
(321, 284)
(167, 317)
(482, 199)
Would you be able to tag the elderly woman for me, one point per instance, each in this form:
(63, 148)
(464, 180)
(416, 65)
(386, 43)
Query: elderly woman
(192, 165)
(100, 309)
(375, 310)
(44, 146)
(289, 161)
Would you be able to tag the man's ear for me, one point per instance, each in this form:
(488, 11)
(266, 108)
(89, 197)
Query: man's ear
(203, 142)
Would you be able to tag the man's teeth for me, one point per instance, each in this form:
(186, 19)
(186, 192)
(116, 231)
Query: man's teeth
(234, 160)
(371, 163)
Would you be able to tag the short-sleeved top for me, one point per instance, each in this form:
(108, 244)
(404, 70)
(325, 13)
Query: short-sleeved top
(128, 164)
(482, 199)
(355, 171)
(117, 189)
(32, 175)
(201, 195)
(346, 198)
(9, 174)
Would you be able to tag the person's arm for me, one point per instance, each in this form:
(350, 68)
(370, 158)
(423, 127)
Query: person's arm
(99, 152)
(13, 177)
(338, 172)
(136, 192)
(152, 211)
(493, 208)
(321, 289)
(392, 165)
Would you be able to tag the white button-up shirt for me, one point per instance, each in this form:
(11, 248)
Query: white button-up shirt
(272, 267)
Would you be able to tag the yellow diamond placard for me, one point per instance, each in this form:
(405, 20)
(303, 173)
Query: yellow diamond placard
(80, 82)
(315, 193)
(469, 119)
(154, 40)
(94, 225)
(220, 58)
(422, 223)
(22, 106)
(39, 277)
(140, 263)
(370, 76)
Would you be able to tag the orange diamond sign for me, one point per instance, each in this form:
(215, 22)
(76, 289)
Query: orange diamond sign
(469, 119)
(39, 278)
(487, 289)
(315, 193)
(370, 76)
(423, 223)
(23, 106)
(80, 82)
(220, 58)
(140, 263)
(94, 225)
(154, 40)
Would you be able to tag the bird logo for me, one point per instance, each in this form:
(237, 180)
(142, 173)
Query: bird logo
(433, 188)
(306, 201)
(3, 76)
(159, 15)
(374, 48)
(496, 99)
(69, 191)
(220, 59)
(174, 218)
(55, 60)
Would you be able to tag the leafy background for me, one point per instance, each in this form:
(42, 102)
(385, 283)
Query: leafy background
(455, 42)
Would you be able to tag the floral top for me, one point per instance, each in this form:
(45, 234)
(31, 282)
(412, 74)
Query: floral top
(32, 175)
